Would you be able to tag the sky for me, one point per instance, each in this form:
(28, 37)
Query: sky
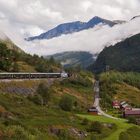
(23, 18)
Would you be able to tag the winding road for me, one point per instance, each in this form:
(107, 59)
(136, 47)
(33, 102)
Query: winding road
(97, 101)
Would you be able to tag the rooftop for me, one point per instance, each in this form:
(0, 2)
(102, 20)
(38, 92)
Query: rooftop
(132, 112)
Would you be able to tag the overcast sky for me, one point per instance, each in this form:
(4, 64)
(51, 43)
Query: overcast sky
(22, 18)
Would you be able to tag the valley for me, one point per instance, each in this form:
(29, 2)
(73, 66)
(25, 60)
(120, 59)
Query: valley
(67, 74)
(34, 109)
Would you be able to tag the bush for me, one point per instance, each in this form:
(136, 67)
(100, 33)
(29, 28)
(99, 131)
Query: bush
(66, 103)
(124, 136)
(132, 120)
(16, 133)
(95, 127)
(94, 137)
(44, 92)
(63, 135)
(37, 99)
(85, 122)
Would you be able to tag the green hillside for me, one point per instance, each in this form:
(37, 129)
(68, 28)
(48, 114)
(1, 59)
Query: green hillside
(47, 110)
(11, 45)
(120, 86)
(56, 109)
(23, 116)
(13, 59)
(124, 56)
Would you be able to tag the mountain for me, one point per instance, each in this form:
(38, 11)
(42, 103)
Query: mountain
(65, 28)
(135, 17)
(72, 27)
(119, 21)
(97, 20)
(124, 56)
(73, 59)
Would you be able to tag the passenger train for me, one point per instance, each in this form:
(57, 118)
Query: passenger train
(33, 75)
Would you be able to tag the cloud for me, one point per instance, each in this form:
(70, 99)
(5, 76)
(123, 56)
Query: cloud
(92, 40)
(45, 14)
(85, 5)
(22, 18)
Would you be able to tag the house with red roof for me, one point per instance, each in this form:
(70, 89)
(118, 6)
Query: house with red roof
(116, 104)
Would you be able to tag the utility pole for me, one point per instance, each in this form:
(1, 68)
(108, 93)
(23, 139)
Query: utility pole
(107, 68)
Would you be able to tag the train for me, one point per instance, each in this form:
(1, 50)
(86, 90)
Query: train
(33, 75)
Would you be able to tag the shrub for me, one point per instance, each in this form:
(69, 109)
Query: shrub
(16, 133)
(94, 137)
(95, 127)
(63, 135)
(66, 103)
(44, 92)
(132, 120)
(124, 136)
(85, 122)
(37, 99)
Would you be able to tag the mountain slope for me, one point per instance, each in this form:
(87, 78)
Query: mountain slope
(124, 56)
(123, 86)
(13, 59)
(10, 45)
(68, 28)
(72, 59)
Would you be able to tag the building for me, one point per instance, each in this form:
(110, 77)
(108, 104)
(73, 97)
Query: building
(122, 103)
(125, 106)
(116, 104)
(93, 111)
(131, 113)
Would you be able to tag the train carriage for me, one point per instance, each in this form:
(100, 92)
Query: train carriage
(33, 75)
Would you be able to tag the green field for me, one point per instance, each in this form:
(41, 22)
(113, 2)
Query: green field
(122, 125)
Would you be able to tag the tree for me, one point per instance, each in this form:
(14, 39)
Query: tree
(66, 103)
(15, 67)
(44, 92)
(52, 60)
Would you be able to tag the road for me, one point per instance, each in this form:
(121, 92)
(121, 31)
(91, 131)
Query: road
(97, 101)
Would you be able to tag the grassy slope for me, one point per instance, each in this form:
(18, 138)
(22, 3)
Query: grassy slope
(11, 45)
(39, 119)
(24, 67)
(121, 86)
(128, 93)
(33, 117)
(121, 125)
(13, 59)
